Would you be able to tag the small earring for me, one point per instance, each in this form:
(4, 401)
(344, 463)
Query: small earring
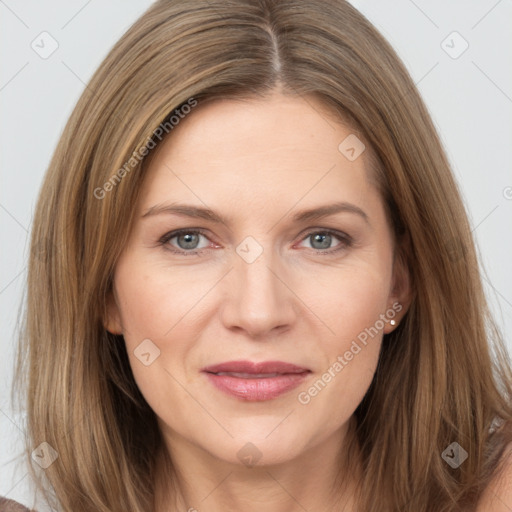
(392, 322)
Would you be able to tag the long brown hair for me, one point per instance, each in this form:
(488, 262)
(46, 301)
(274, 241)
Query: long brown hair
(442, 376)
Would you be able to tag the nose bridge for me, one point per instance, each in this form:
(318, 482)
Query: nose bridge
(258, 299)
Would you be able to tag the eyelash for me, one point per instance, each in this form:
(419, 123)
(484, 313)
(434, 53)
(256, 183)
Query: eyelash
(346, 240)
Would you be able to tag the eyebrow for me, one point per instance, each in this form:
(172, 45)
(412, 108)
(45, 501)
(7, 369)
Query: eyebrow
(209, 215)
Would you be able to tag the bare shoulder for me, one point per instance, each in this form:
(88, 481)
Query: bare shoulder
(498, 495)
(11, 506)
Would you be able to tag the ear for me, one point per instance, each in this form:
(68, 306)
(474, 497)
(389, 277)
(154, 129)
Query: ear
(400, 296)
(112, 316)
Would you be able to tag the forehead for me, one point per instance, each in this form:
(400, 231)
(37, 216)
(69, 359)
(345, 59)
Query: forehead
(264, 124)
(259, 151)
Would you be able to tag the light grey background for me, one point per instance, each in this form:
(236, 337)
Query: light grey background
(469, 98)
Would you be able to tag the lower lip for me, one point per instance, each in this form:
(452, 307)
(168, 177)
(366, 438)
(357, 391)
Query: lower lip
(257, 389)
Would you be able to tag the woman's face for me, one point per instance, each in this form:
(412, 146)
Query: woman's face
(297, 274)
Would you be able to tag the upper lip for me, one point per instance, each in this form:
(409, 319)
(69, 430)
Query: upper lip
(255, 368)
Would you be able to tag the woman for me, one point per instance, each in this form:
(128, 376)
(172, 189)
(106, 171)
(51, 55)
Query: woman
(256, 283)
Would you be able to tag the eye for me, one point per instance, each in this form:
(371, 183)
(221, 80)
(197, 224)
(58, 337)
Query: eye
(322, 240)
(185, 240)
(189, 241)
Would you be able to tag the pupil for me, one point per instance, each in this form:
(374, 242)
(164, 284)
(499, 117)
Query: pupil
(189, 241)
(323, 239)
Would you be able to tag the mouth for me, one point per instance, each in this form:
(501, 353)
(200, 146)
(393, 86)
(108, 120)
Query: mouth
(256, 381)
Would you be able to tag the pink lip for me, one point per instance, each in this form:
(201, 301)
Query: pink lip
(282, 377)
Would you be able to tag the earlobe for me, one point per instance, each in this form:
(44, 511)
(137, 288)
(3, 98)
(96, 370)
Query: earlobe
(111, 316)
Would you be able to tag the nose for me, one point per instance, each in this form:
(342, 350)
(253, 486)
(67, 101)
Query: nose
(258, 298)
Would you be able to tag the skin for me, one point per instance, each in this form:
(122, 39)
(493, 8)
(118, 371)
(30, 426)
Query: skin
(257, 163)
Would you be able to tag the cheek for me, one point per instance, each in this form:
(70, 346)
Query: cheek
(154, 301)
(358, 326)
(350, 299)
(352, 305)
(165, 307)
(153, 307)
